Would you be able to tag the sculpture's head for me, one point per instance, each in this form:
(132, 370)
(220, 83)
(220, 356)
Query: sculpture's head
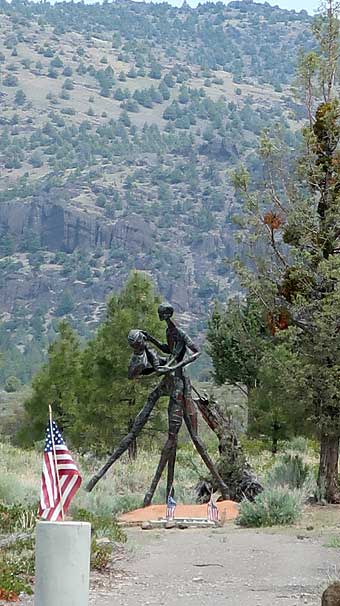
(137, 340)
(165, 311)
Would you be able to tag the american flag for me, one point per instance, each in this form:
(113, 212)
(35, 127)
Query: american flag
(170, 508)
(212, 510)
(55, 502)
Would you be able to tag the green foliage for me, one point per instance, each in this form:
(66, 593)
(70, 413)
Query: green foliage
(253, 446)
(290, 471)
(273, 507)
(56, 384)
(92, 398)
(334, 542)
(107, 399)
(14, 518)
(272, 403)
(20, 97)
(66, 304)
(237, 342)
(100, 555)
(12, 384)
(10, 80)
(101, 524)
(126, 502)
(36, 160)
(14, 570)
(300, 444)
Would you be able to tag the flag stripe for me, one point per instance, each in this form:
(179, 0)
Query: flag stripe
(55, 513)
(213, 514)
(49, 478)
(170, 508)
(55, 495)
(45, 501)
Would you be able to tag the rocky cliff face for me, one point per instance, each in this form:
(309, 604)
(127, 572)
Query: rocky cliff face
(67, 229)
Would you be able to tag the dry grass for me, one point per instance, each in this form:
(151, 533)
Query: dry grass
(122, 489)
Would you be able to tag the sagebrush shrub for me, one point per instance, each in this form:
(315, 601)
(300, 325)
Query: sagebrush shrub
(298, 444)
(14, 518)
(16, 568)
(273, 507)
(100, 555)
(105, 525)
(291, 471)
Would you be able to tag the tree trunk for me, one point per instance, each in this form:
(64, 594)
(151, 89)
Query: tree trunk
(220, 425)
(274, 444)
(233, 466)
(328, 481)
(275, 437)
(132, 450)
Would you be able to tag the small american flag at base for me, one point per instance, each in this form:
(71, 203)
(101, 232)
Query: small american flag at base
(60, 477)
(170, 508)
(213, 515)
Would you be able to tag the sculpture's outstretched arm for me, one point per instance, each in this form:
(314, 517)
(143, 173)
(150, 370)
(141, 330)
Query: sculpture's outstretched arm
(164, 347)
(169, 368)
(191, 345)
(140, 420)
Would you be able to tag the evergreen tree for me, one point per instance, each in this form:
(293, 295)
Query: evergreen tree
(92, 398)
(237, 341)
(296, 215)
(108, 400)
(272, 403)
(66, 304)
(56, 384)
(20, 97)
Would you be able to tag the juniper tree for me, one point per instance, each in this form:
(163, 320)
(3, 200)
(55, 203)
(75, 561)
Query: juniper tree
(245, 355)
(92, 398)
(107, 400)
(293, 217)
(56, 384)
(236, 343)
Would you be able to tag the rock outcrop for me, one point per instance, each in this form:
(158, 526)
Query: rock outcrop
(65, 228)
(331, 597)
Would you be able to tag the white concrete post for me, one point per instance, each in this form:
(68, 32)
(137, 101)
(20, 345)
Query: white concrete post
(62, 559)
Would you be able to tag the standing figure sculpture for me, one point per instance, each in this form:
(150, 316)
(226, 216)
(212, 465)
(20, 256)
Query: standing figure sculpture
(178, 345)
(174, 384)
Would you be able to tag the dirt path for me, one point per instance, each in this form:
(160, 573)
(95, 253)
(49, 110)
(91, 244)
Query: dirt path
(246, 568)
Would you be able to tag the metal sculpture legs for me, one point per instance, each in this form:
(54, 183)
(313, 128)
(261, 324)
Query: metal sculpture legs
(202, 451)
(171, 472)
(175, 415)
(140, 420)
(178, 409)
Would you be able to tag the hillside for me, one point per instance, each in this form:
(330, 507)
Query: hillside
(120, 123)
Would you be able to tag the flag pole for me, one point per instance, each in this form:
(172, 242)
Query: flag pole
(56, 465)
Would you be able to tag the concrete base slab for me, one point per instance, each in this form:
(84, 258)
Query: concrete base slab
(176, 523)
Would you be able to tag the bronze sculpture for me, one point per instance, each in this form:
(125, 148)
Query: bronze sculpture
(176, 385)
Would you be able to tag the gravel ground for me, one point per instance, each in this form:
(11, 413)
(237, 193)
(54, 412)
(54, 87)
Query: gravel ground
(218, 567)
